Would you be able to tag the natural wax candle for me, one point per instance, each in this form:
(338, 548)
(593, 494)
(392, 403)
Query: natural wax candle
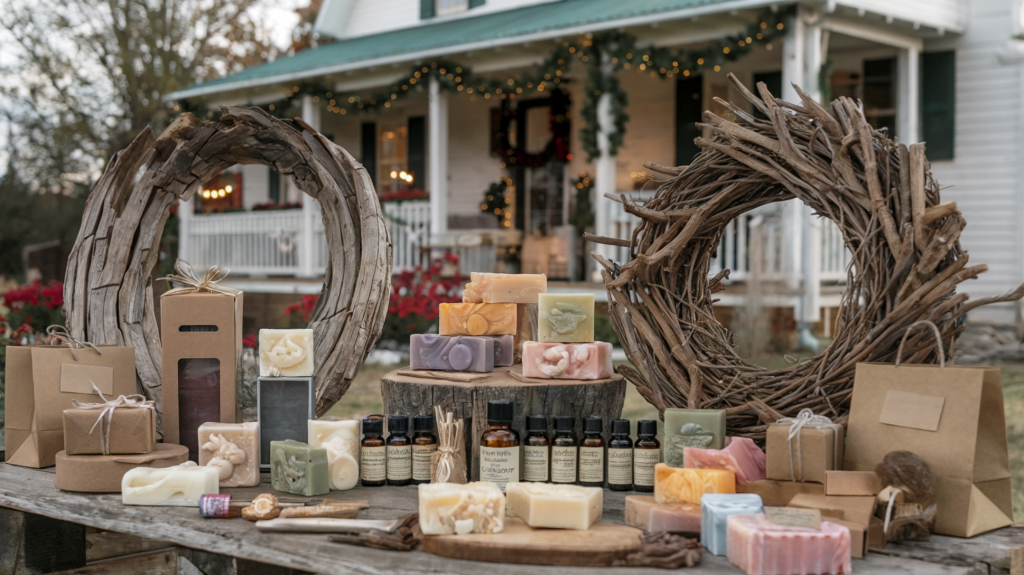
(451, 352)
(298, 468)
(554, 506)
(742, 456)
(644, 512)
(478, 319)
(234, 449)
(341, 440)
(565, 318)
(567, 360)
(716, 508)
(703, 428)
(678, 484)
(459, 508)
(178, 486)
(286, 352)
(761, 547)
(504, 288)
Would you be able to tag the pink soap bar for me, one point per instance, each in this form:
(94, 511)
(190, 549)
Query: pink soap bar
(644, 512)
(761, 547)
(741, 456)
(553, 360)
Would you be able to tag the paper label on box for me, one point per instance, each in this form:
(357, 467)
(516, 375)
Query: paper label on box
(499, 465)
(75, 378)
(912, 410)
(794, 517)
(536, 460)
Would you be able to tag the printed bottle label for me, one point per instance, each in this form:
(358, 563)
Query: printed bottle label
(373, 463)
(499, 465)
(563, 464)
(399, 462)
(620, 466)
(644, 461)
(592, 464)
(421, 455)
(536, 460)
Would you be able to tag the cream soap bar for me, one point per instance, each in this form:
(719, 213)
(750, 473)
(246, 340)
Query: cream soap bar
(689, 485)
(234, 449)
(286, 352)
(644, 512)
(565, 318)
(477, 319)
(453, 508)
(178, 486)
(504, 288)
(567, 360)
(298, 468)
(341, 440)
(555, 506)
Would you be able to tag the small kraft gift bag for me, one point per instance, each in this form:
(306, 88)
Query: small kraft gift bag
(952, 417)
(44, 380)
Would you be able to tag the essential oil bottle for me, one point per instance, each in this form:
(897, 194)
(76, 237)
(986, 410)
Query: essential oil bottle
(399, 450)
(424, 444)
(646, 454)
(499, 445)
(563, 451)
(372, 453)
(592, 453)
(620, 457)
(536, 449)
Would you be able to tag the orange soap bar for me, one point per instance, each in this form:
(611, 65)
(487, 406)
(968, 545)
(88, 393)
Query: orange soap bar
(478, 319)
(673, 484)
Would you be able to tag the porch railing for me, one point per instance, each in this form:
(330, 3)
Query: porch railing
(253, 243)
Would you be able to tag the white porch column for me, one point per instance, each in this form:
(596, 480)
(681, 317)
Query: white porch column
(908, 101)
(604, 168)
(810, 252)
(793, 69)
(437, 157)
(185, 211)
(310, 208)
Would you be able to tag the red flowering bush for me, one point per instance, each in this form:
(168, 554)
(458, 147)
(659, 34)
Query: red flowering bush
(415, 297)
(34, 307)
(303, 310)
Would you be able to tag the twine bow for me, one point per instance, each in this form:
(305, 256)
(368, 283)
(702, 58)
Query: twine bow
(107, 414)
(59, 336)
(192, 283)
(806, 418)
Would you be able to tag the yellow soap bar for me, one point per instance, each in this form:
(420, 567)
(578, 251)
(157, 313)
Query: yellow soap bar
(673, 484)
(478, 319)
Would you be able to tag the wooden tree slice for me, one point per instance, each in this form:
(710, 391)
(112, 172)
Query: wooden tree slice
(107, 295)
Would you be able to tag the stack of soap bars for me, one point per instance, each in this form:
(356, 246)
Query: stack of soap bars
(565, 346)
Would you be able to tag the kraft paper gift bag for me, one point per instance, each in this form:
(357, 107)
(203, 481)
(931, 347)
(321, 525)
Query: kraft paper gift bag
(44, 380)
(953, 418)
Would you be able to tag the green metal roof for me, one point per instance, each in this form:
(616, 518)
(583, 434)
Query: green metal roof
(447, 36)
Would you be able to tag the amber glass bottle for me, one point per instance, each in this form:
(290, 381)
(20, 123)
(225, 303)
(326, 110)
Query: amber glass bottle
(592, 453)
(499, 445)
(620, 457)
(424, 444)
(399, 450)
(536, 449)
(564, 451)
(646, 454)
(373, 467)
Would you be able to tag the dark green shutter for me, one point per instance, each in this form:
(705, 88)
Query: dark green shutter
(938, 104)
(274, 186)
(426, 9)
(475, 3)
(368, 143)
(418, 151)
(689, 107)
(772, 81)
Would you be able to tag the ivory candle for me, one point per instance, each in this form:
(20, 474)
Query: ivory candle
(232, 448)
(554, 506)
(679, 484)
(716, 508)
(341, 440)
(742, 456)
(567, 360)
(450, 508)
(478, 319)
(178, 486)
(565, 318)
(451, 352)
(504, 288)
(644, 512)
(298, 468)
(286, 352)
(703, 428)
(761, 547)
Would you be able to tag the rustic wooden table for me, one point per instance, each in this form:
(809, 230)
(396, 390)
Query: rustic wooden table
(181, 532)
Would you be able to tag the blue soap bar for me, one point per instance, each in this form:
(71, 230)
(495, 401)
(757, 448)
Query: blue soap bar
(715, 508)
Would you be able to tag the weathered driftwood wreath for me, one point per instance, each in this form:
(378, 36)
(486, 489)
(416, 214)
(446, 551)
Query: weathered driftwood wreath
(107, 295)
(906, 260)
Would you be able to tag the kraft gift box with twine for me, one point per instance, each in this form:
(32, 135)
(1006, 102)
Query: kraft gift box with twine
(804, 447)
(126, 425)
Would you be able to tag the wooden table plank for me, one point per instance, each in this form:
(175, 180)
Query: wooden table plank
(33, 491)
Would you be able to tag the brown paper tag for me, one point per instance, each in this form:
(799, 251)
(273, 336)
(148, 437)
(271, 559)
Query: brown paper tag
(794, 517)
(912, 410)
(75, 378)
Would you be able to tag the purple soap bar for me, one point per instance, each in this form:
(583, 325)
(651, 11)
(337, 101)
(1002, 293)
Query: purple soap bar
(504, 350)
(451, 352)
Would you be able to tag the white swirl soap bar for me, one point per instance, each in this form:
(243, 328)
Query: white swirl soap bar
(178, 486)
(565, 318)
(341, 440)
(453, 508)
(555, 506)
(286, 352)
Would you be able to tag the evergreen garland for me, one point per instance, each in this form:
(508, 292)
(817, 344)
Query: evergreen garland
(497, 202)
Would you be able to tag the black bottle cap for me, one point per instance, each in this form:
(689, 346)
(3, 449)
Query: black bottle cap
(620, 427)
(564, 423)
(398, 424)
(373, 425)
(536, 423)
(593, 425)
(499, 411)
(647, 427)
(423, 423)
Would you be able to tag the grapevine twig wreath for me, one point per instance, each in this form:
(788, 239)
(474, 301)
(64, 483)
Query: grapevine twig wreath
(906, 260)
(107, 299)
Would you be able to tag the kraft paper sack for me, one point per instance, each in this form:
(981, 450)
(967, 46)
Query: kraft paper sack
(43, 380)
(953, 418)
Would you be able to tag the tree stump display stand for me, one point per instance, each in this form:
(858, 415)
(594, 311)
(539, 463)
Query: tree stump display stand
(405, 392)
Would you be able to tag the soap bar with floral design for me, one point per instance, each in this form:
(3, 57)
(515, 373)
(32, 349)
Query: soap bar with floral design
(567, 360)
(504, 288)
(298, 468)
(478, 319)
(703, 428)
(565, 318)
(234, 449)
(286, 352)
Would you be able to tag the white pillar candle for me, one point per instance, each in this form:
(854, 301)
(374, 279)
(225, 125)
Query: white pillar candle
(341, 440)
(178, 486)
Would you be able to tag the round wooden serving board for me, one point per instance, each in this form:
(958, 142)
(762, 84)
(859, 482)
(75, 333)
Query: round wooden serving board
(600, 546)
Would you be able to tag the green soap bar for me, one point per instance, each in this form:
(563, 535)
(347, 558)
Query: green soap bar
(298, 468)
(704, 428)
(565, 317)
